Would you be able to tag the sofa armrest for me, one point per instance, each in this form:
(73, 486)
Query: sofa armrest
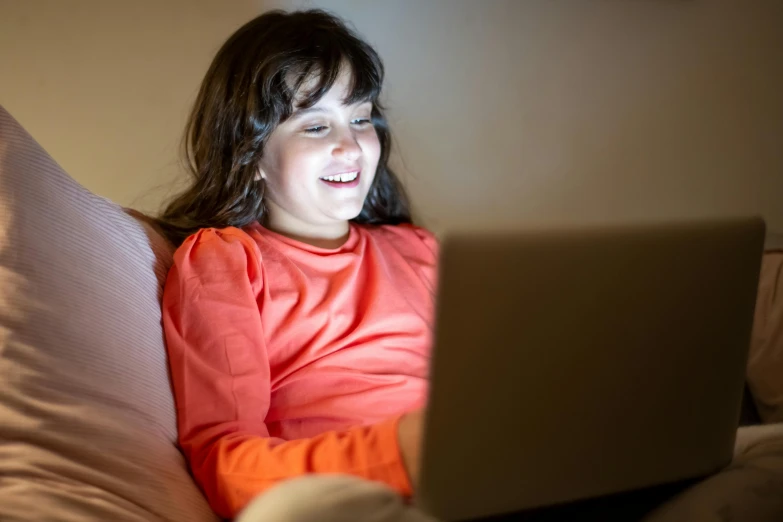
(765, 360)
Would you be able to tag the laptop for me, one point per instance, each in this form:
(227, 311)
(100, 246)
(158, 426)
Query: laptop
(577, 363)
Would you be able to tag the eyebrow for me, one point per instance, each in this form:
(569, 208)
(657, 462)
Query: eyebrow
(310, 110)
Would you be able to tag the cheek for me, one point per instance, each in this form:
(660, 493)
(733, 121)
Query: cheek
(371, 148)
(299, 161)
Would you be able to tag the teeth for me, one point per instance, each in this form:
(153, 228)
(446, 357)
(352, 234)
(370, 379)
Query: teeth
(342, 178)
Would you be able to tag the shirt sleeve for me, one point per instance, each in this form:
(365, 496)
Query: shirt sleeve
(222, 387)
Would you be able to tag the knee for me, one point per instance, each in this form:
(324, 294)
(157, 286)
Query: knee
(330, 498)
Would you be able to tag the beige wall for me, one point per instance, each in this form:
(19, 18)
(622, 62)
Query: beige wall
(525, 111)
(105, 85)
(520, 111)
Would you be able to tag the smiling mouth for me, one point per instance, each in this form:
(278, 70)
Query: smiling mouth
(344, 180)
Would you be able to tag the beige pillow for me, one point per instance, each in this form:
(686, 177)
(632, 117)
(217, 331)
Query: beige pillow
(765, 362)
(87, 419)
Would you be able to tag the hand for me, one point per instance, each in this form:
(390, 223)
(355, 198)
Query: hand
(409, 432)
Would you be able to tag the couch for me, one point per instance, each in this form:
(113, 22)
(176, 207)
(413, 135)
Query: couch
(87, 419)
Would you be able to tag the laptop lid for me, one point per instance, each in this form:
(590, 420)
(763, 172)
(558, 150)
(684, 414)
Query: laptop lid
(575, 363)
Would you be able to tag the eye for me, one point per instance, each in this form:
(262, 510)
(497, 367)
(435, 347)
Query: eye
(316, 129)
(361, 121)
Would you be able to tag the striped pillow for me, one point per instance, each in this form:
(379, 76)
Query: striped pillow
(87, 419)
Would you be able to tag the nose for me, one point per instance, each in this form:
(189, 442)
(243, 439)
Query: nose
(346, 147)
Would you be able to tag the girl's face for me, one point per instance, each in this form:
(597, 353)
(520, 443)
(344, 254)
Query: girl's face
(318, 166)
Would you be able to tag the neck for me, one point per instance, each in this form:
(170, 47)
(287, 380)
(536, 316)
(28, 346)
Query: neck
(321, 236)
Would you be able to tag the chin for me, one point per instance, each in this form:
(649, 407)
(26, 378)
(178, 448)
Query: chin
(347, 214)
(350, 216)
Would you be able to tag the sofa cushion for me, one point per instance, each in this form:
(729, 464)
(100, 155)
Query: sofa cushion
(750, 489)
(87, 420)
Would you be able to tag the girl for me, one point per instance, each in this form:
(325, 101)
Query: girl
(299, 307)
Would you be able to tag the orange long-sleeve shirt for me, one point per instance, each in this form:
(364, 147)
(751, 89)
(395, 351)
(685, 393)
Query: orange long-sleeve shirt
(289, 359)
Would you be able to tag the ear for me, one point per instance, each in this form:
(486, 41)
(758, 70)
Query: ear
(260, 174)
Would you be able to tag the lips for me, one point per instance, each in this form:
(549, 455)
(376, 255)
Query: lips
(342, 180)
(345, 177)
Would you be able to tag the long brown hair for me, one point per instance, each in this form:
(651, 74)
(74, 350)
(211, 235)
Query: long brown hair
(248, 91)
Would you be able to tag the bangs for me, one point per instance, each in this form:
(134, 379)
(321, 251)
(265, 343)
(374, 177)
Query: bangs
(317, 66)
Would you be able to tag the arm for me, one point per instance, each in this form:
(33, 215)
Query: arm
(221, 381)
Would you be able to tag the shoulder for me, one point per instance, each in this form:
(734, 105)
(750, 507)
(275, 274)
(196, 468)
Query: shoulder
(410, 240)
(406, 250)
(216, 250)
